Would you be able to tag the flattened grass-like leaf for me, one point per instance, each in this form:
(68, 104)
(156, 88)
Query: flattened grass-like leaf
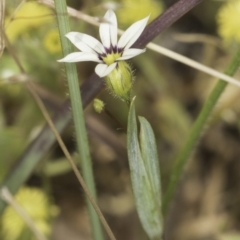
(145, 177)
(150, 157)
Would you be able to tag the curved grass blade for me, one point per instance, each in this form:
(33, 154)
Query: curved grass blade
(196, 131)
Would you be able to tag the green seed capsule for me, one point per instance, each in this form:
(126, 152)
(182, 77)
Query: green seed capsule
(120, 81)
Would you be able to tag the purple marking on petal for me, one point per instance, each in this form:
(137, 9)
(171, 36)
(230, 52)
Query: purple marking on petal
(114, 49)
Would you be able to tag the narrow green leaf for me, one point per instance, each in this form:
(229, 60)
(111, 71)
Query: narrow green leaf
(150, 158)
(145, 198)
(196, 131)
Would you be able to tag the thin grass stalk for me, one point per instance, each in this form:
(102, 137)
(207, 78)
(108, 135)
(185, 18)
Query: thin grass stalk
(73, 165)
(45, 140)
(78, 116)
(29, 85)
(196, 132)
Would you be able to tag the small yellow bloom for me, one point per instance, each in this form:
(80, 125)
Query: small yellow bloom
(130, 10)
(229, 21)
(98, 105)
(30, 15)
(52, 42)
(36, 204)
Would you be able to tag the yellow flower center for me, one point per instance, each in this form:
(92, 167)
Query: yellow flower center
(110, 58)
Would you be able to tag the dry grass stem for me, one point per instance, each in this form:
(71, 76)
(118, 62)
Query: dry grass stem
(44, 111)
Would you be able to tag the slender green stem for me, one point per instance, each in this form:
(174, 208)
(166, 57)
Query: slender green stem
(197, 130)
(78, 117)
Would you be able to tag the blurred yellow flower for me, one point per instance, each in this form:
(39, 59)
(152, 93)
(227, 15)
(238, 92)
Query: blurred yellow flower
(30, 15)
(52, 42)
(228, 19)
(132, 10)
(36, 204)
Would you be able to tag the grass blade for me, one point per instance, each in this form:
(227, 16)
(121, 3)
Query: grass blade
(78, 116)
(197, 130)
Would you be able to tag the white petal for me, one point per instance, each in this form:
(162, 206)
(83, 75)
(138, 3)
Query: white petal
(130, 36)
(108, 29)
(103, 70)
(85, 43)
(130, 53)
(80, 57)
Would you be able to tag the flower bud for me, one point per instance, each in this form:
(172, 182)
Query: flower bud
(98, 105)
(120, 81)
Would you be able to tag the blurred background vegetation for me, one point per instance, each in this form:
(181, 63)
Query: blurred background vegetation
(169, 94)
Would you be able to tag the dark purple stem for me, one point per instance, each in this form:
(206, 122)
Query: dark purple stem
(165, 20)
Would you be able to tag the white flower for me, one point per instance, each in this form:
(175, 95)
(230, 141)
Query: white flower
(110, 51)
